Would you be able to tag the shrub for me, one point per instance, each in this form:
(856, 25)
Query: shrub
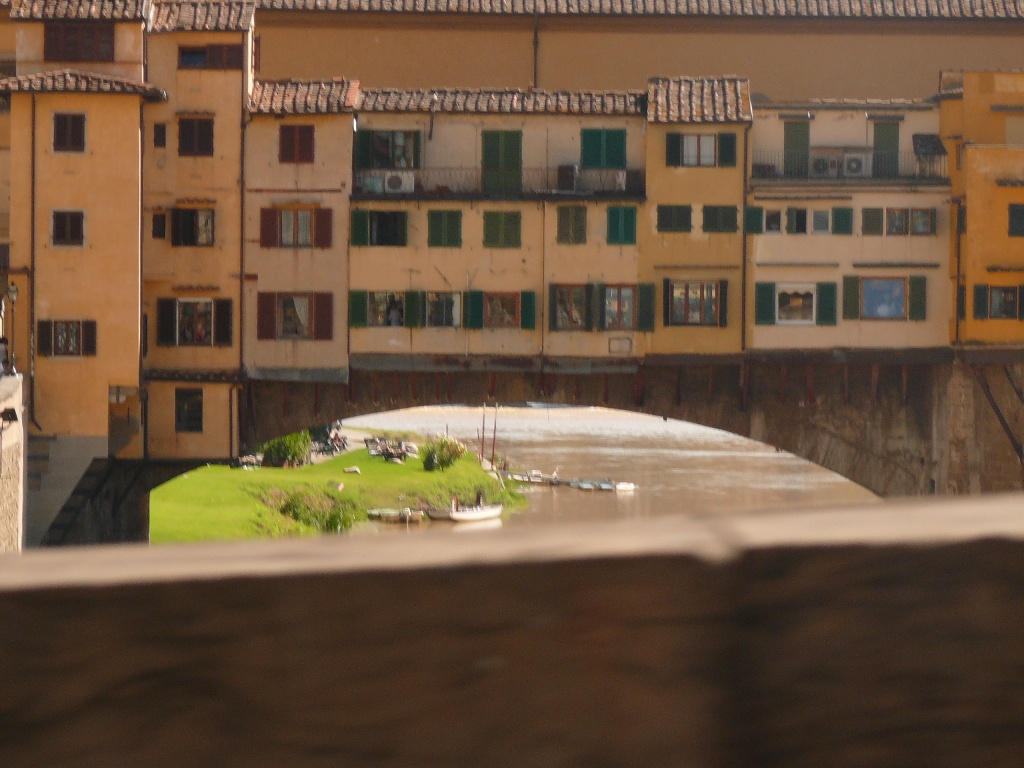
(321, 511)
(441, 452)
(290, 448)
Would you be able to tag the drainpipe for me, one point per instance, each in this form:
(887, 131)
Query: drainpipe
(142, 229)
(241, 266)
(32, 278)
(536, 45)
(743, 266)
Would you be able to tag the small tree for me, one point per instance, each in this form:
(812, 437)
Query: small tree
(292, 448)
(441, 452)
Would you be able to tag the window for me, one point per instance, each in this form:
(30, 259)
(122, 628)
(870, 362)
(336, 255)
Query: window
(572, 224)
(794, 304)
(295, 316)
(298, 227)
(872, 221)
(192, 226)
(210, 57)
(700, 150)
(295, 143)
(569, 308)
(68, 227)
(821, 222)
(385, 309)
(387, 149)
(720, 218)
(1016, 214)
(674, 218)
(188, 409)
(773, 221)
(68, 132)
(602, 148)
(922, 221)
(444, 310)
(620, 307)
(160, 226)
(842, 221)
(896, 221)
(501, 310)
(195, 137)
(159, 135)
(796, 221)
(502, 229)
(66, 338)
(380, 228)
(621, 225)
(78, 41)
(883, 298)
(444, 229)
(693, 302)
(194, 322)
(1002, 302)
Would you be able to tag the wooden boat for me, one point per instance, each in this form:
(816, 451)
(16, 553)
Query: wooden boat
(395, 515)
(459, 514)
(625, 487)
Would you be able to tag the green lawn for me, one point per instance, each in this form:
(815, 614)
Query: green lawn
(221, 503)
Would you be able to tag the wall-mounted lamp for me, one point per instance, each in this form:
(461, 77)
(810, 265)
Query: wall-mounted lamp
(8, 415)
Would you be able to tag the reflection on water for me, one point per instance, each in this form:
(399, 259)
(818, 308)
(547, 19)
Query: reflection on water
(676, 466)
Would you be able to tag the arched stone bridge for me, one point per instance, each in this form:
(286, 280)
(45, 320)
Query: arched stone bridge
(897, 422)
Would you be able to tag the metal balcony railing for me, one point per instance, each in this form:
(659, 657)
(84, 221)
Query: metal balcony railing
(846, 164)
(498, 183)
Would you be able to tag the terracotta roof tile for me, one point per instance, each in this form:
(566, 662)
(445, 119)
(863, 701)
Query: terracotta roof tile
(830, 9)
(303, 97)
(106, 10)
(698, 100)
(201, 16)
(502, 101)
(72, 81)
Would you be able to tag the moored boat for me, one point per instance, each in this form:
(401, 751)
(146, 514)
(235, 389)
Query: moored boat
(395, 515)
(459, 514)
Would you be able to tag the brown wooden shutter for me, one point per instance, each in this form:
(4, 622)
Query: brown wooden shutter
(323, 316)
(270, 222)
(222, 322)
(305, 143)
(286, 144)
(89, 337)
(266, 315)
(323, 227)
(166, 322)
(44, 338)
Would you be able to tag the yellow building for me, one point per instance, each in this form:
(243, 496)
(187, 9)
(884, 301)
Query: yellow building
(691, 234)
(983, 126)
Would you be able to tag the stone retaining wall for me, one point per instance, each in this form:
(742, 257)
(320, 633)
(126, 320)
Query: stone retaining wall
(885, 636)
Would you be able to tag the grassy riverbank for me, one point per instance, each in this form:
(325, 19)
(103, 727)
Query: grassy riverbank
(217, 503)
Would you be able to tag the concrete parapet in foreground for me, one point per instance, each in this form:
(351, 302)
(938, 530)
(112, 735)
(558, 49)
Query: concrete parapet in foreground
(884, 636)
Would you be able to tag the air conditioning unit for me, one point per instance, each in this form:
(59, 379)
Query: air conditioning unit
(857, 164)
(399, 182)
(824, 164)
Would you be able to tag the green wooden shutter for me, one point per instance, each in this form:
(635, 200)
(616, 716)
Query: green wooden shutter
(980, 302)
(851, 297)
(614, 225)
(791, 214)
(416, 141)
(552, 307)
(729, 219)
(872, 221)
(474, 310)
(527, 310)
(435, 229)
(629, 225)
(614, 149)
(600, 296)
(415, 307)
(358, 302)
(364, 150)
(961, 302)
(727, 150)
(590, 148)
(673, 149)
(359, 232)
(166, 322)
(918, 297)
(666, 302)
(796, 149)
(842, 221)
(764, 304)
(511, 229)
(645, 307)
(723, 303)
(492, 229)
(1020, 302)
(886, 157)
(588, 297)
(753, 220)
(826, 305)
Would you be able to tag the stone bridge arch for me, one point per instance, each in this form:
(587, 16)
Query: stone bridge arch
(897, 427)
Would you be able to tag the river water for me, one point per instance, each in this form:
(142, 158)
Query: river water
(676, 466)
